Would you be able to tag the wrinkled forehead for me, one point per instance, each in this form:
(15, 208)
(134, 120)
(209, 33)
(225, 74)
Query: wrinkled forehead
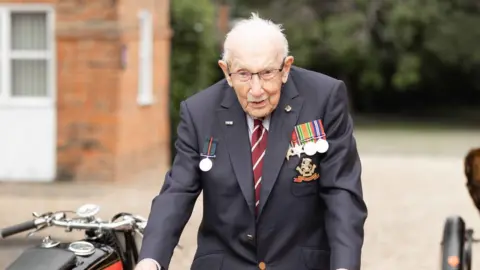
(255, 57)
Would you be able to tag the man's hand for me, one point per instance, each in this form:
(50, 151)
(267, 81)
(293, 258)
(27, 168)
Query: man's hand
(147, 264)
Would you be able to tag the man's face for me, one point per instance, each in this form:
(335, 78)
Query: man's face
(258, 94)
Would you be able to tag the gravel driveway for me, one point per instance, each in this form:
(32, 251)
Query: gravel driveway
(412, 182)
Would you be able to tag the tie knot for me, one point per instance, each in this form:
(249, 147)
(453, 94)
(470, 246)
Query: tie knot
(257, 122)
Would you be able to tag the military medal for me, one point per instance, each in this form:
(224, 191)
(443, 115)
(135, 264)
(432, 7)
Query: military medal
(298, 149)
(322, 146)
(305, 132)
(290, 152)
(312, 136)
(209, 148)
(310, 148)
(206, 164)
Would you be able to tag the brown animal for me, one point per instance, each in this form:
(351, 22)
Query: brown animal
(472, 172)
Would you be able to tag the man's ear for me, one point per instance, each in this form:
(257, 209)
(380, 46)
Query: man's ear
(286, 68)
(223, 65)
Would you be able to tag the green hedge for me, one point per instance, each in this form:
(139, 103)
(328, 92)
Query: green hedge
(194, 53)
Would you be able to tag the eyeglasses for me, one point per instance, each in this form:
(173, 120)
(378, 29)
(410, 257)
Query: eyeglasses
(268, 74)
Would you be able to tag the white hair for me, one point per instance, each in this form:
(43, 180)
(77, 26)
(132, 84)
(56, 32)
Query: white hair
(255, 25)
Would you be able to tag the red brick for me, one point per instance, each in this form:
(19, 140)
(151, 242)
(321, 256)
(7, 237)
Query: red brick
(103, 134)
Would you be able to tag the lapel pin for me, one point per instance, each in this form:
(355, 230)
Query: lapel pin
(228, 123)
(288, 108)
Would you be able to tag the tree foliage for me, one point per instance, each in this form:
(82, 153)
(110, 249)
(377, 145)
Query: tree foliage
(383, 47)
(194, 52)
(394, 54)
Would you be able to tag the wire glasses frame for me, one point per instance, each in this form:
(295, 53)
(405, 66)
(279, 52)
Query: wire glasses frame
(268, 74)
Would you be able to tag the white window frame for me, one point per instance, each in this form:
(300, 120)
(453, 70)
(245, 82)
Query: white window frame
(145, 58)
(6, 55)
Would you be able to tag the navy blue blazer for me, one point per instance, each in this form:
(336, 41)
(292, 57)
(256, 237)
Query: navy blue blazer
(315, 224)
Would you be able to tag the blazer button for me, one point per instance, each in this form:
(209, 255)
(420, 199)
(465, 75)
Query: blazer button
(262, 266)
(249, 237)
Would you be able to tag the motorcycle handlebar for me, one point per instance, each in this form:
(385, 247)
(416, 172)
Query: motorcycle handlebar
(17, 228)
(123, 225)
(72, 224)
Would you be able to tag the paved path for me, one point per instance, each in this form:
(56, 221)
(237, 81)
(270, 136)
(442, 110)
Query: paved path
(412, 181)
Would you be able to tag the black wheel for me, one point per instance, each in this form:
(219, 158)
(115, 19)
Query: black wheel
(467, 259)
(453, 244)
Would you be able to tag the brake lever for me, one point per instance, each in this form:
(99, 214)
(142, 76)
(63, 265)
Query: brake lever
(41, 227)
(37, 215)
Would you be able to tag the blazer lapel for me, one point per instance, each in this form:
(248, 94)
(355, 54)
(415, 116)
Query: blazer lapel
(238, 143)
(282, 124)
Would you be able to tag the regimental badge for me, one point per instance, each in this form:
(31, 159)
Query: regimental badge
(307, 171)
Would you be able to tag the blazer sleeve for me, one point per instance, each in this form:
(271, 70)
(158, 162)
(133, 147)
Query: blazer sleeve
(172, 207)
(341, 187)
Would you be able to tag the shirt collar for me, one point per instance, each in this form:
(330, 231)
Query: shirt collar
(266, 122)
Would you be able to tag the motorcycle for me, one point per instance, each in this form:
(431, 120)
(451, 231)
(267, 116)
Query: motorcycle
(106, 245)
(457, 239)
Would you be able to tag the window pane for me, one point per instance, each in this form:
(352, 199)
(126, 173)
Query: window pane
(29, 31)
(146, 56)
(29, 78)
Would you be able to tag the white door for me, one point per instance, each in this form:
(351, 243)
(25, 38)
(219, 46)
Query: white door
(27, 93)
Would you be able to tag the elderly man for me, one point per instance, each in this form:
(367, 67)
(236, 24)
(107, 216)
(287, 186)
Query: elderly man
(272, 149)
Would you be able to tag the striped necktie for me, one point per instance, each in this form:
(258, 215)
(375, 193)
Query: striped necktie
(259, 145)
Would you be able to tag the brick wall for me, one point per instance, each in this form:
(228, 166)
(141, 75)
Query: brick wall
(143, 132)
(103, 134)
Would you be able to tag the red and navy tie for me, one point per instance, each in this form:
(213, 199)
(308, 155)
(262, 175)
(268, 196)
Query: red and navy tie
(259, 145)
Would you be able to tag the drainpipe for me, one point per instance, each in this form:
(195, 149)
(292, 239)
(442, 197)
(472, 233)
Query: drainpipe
(223, 16)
